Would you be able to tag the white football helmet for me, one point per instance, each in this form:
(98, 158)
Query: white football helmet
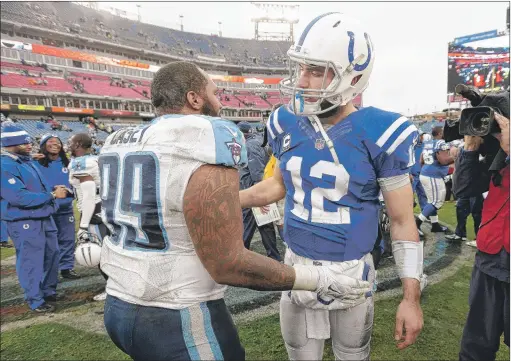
(88, 250)
(333, 41)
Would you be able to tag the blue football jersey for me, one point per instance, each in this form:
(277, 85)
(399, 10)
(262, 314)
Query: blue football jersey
(331, 211)
(432, 168)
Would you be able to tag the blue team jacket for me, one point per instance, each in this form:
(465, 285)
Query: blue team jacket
(56, 174)
(24, 193)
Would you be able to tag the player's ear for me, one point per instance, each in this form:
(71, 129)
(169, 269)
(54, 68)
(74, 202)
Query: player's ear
(195, 101)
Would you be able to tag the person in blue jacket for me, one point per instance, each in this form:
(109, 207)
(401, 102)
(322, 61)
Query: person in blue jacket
(53, 164)
(27, 204)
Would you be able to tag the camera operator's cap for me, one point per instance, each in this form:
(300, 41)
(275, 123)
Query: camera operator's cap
(245, 127)
(46, 137)
(12, 135)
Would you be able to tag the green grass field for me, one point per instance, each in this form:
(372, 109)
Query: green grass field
(445, 306)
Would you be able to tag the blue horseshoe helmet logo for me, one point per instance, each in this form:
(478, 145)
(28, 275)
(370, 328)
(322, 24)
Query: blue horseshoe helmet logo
(351, 57)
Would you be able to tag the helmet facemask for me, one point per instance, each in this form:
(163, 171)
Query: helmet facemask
(308, 101)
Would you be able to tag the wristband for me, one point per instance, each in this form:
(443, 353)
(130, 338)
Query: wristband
(408, 256)
(306, 278)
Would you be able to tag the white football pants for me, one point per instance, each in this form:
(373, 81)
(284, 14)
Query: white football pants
(434, 189)
(305, 330)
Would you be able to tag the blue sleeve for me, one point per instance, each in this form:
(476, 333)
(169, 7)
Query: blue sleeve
(230, 146)
(14, 191)
(257, 159)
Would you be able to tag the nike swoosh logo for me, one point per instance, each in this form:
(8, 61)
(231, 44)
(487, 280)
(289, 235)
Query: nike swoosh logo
(234, 134)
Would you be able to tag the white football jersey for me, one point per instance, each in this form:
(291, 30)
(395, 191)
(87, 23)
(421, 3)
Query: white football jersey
(151, 260)
(83, 166)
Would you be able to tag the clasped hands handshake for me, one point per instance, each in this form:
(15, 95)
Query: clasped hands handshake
(342, 281)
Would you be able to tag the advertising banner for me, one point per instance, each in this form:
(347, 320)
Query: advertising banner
(38, 108)
(112, 113)
(72, 110)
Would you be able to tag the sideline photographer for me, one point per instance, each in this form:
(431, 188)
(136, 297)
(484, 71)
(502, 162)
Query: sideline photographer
(488, 315)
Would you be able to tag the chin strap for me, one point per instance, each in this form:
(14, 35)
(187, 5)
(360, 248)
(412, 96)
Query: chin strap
(315, 121)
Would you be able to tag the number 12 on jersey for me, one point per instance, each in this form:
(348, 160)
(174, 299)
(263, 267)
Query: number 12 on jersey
(317, 194)
(131, 200)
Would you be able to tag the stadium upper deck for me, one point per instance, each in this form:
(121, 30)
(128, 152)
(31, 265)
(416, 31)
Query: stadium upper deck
(71, 18)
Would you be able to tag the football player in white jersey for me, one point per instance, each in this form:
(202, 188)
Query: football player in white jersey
(84, 178)
(170, 194)
(333, 161)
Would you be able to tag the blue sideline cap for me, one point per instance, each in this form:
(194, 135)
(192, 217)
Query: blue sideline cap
(13, 135)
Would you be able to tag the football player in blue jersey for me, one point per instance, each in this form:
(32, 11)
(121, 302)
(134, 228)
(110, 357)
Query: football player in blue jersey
(333, 162)
(434, 173)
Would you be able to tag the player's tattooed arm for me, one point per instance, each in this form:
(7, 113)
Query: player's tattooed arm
(213, 215)
(266, 192)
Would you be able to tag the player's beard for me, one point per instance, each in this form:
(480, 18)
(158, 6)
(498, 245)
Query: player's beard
(207, 109)
(328, 117)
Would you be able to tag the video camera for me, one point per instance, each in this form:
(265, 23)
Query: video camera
(480, 119)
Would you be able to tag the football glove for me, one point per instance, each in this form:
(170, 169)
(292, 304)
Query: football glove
(342, 281)
(83, 235)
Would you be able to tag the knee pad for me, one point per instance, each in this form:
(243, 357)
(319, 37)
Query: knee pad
(353, 343)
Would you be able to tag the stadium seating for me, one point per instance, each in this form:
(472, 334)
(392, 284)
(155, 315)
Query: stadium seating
(104, 88)
(21, 81)
(6, 65)
(37, 129)
(68, 17)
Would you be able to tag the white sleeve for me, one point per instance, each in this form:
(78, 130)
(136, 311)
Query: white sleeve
(88, 202)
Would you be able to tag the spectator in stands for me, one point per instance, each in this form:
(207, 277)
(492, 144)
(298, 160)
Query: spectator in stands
(53, 163)
(250, 175)
(27, 203)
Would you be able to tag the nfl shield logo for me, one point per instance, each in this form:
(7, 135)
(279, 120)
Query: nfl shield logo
(235, 149)
(320, 144)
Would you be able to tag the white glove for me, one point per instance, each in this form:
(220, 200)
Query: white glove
(83, 235)
(340, 281)
(343, 281)
(447, 178)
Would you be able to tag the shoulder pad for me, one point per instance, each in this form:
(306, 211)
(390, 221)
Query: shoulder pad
(279, 122)
(387, 130)
(210, 140)
(82, 166)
